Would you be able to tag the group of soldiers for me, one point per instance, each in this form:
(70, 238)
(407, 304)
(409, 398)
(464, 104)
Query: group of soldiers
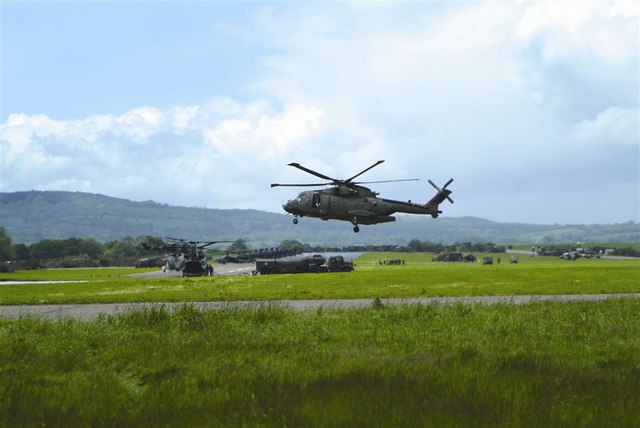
(394, 262)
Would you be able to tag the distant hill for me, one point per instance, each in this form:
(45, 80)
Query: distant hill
(29, 217)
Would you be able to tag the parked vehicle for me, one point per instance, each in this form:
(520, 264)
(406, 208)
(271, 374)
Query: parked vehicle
(303, 264)
(447, 256)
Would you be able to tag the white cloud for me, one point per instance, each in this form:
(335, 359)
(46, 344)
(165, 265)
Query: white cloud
(139, 124)
(496, 95)
(580, 58)
(604, 31)
(612, 126)
(187, 151)
(182, 118)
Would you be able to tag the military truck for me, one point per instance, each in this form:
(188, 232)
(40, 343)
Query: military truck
(156, 261)
(303, 264)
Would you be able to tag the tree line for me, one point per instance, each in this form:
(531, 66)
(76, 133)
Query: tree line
(70, 252)
(416, 245)
(89, 252)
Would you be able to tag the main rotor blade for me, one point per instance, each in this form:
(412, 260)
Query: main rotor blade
(211, 243)
(312, 172)
(301, 185)
(363, 171)
(385, 181)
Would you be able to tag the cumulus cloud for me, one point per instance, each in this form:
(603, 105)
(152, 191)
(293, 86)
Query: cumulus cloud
(191, 152)
(612, 126)
(580, 58)
(600, 31)
(494, 94)
(510, 99)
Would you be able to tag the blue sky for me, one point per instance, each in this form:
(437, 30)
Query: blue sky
(73, 60)
(533, 107)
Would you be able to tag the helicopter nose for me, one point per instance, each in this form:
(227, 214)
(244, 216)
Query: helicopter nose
(287, 206)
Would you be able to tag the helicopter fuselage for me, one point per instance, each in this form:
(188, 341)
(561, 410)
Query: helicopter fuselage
(356, 204)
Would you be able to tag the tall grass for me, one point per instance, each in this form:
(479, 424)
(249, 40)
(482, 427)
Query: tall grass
(552, 364)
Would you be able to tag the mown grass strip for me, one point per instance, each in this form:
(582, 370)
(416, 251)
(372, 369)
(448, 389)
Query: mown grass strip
(369, 280)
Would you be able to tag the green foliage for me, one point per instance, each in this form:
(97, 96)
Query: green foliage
(414, 245)
(51, 249)
(554, 364)
(238, 246)
(126, 248)
(77, 252)
(417, 246)
(6, 249)
(292, 245)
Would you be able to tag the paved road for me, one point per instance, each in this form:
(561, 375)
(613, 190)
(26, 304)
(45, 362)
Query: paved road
(231, 268)
(534, 254)
(219, 269)
(89, 312)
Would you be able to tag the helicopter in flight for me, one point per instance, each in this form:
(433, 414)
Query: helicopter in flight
(348, 201)
(185, 256)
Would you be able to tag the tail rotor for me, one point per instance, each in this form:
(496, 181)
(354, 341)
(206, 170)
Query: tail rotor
(443, 191)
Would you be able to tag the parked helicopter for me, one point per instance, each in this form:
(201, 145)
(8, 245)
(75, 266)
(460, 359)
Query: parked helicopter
(185, 256)
(347, 200)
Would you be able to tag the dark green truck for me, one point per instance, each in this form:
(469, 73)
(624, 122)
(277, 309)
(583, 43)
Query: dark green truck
(303, 264)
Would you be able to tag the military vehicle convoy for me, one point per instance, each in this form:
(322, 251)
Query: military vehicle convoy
(250, 256)
(448, 256)
(303, 264)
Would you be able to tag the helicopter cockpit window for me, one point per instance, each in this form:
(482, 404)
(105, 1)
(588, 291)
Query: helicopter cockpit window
(316, 200)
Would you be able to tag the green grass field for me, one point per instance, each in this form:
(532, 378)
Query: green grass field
(418, 277)
(553, 364)
(543, 364)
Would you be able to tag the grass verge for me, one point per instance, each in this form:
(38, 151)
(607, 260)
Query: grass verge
(417, 278)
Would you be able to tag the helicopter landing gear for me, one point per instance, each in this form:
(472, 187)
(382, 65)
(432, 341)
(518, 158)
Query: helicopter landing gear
(356, 229)
(295, 220)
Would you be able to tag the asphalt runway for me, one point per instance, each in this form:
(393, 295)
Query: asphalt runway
(218, 270)
(90, 312)
(234, 268)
